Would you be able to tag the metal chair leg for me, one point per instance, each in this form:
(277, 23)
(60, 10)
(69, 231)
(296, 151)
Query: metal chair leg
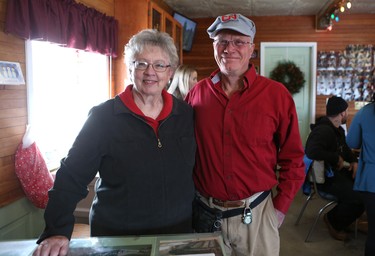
(317, 218)
(303, 209)
(356, 228)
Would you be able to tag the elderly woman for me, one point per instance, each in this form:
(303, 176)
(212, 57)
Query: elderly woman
(142, 144)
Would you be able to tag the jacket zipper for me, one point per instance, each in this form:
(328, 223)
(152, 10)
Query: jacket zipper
(159, 145)
(159, 142)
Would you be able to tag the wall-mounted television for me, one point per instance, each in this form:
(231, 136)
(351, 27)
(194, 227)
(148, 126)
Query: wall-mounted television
(188, 30)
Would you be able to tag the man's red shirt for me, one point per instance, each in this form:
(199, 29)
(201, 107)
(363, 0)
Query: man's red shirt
(243, 138)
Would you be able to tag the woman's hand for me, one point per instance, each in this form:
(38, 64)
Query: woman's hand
(53, 246)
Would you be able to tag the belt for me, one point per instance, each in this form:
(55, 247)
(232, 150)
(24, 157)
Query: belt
(228, 204)
(238, 211)
(235, 204)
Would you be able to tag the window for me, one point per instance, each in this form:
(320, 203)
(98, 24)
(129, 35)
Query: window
(63, 84)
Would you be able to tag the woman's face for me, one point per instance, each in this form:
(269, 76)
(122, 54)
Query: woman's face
(146, 80)
(193, 79)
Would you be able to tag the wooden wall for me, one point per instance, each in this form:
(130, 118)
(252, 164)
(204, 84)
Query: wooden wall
(352, 29)
(13, 114)
(128, 26)
(13, 104)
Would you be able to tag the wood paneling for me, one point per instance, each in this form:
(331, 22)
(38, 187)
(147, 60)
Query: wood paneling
(321, 101)
(13, 115)
(352, 29)
(13, 104)
(129, 25)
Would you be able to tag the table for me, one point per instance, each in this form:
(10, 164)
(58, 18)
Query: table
(204, 244)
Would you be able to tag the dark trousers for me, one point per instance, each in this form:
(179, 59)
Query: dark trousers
(369, 199)
(350, 205)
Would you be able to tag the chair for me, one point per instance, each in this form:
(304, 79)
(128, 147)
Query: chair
(312, 192)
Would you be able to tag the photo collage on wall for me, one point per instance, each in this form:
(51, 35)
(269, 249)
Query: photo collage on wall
(349, 74)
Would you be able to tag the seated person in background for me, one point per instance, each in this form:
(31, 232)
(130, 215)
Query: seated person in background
(326, 142)
(185, 77)
(142, 144)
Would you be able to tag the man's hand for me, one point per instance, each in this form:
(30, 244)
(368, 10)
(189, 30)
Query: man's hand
(340, 163)
(53, 246)
(353, 167)
(280, 217)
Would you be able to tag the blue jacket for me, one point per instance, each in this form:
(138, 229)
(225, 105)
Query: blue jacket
(361, 135)
(306, 187)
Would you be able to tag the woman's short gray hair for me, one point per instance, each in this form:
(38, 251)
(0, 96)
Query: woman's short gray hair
(151, 37)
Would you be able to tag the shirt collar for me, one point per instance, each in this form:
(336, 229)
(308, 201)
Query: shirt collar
(127, 98)
(248, 79)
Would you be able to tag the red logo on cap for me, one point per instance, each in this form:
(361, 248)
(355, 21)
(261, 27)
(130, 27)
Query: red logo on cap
(225, 18)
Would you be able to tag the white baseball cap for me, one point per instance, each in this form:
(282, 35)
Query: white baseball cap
(233, 21)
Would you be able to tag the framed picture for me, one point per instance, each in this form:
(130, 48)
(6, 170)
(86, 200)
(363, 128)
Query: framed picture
(11, 73)
(188, 30)
(140, 246)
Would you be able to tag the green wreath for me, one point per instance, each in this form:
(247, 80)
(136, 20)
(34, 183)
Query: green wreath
(287, 73)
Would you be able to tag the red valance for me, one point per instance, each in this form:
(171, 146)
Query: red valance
(63, 22)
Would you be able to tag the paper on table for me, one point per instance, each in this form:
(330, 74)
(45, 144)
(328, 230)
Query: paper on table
(201, 254)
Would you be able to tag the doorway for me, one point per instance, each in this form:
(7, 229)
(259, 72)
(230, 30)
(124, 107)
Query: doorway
(304, 55)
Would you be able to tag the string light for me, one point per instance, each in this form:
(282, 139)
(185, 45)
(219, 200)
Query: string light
(332, 13)
(348, 5)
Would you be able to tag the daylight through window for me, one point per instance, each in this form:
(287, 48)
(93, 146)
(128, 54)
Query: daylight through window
(63, 84)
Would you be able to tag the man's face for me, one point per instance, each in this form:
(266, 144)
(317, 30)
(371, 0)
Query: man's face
(232, 51)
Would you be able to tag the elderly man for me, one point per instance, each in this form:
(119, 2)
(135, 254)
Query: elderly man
(246, 126)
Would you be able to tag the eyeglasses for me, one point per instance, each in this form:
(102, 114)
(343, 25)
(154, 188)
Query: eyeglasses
(236, 43)
(143, 65)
